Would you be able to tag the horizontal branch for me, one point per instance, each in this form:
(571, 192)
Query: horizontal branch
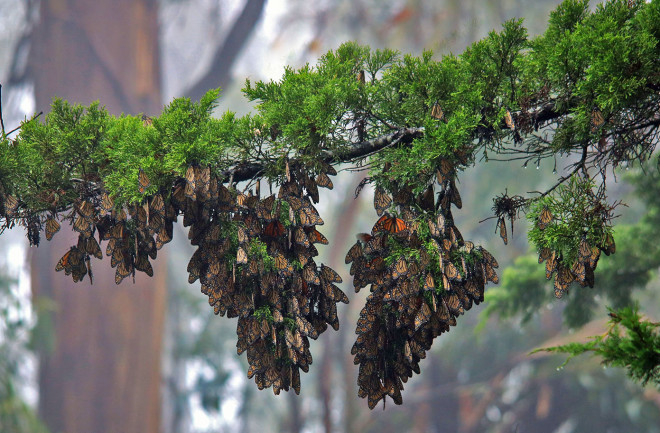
(249, 171)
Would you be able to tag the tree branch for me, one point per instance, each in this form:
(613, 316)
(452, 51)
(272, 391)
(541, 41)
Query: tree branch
(249, 171)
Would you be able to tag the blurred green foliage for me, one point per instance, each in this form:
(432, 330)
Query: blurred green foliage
(16, 416)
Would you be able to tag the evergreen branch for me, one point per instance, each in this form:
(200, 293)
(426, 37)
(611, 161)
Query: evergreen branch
(248, 171)
(631, 342)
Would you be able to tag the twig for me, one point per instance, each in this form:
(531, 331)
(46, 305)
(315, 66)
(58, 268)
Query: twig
(20, 126)
(2, 122)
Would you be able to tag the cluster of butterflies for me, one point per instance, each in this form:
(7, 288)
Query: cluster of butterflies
(255, 261)
(414, 297)
(254, 257)
(582, 269)
(134, 234)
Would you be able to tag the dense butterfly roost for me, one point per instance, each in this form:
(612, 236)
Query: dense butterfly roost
(423, 275)
(254, 258)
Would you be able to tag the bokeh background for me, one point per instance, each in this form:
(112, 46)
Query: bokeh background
(150, 356)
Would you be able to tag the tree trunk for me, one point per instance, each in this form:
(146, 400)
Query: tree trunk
(103, 373)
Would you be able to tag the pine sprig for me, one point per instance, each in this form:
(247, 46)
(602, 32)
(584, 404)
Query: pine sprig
(631, 342)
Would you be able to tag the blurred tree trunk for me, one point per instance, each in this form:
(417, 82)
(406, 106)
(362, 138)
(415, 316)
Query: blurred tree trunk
(103, 373)
(325, 383)
(296, 420)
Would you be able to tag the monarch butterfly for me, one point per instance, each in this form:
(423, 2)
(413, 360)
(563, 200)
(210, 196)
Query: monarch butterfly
(191, 185)
(564, 275)
(156, 222)
(474, 291)
(164, 235)
(295, 379)
(252, 225)
(491, 275)
(300, 237)
(559, 288)
(508, 119)
(179, 195)
(141, 217)
(589, 276)
(224, 195)
(436, 111)
(282, 265)
(63, 263)
(241, 256)
(289, 189)
(544, 254)
(339, 295)
(545, 217)
(86, 209)
(434, 230)
(214, 188)
(309, 217)
(423, 316)
(293, 340)
(374, 245)
(213, 234)
(330, 275)
(52, 227)
(453, 303)
(203, 180)
(303, 256)
(584, 250)
(76, 266)
(312, 189)
(311, 276)
(593, 258)
(551, 265)
(143, 181)
(377, 264)
(274, 229)
(445, 171)
(502, 226)
(316, 237)
(429, 284)
(83, 225)
(400, 268)
(93, 248)
(579, 272)
(466, 301)
(143, 264)
(488, 258)
(609, 247)
(11, 205)
(265, 208)
(597, 119)
(124, 269)
(413, 268)
(305, 328)
(402, 196)
(324, 181)
(451, 272)
(388, 223)
(106, 203)
(156, 213)
(242, 235)
(455, 196)
(382, 200)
